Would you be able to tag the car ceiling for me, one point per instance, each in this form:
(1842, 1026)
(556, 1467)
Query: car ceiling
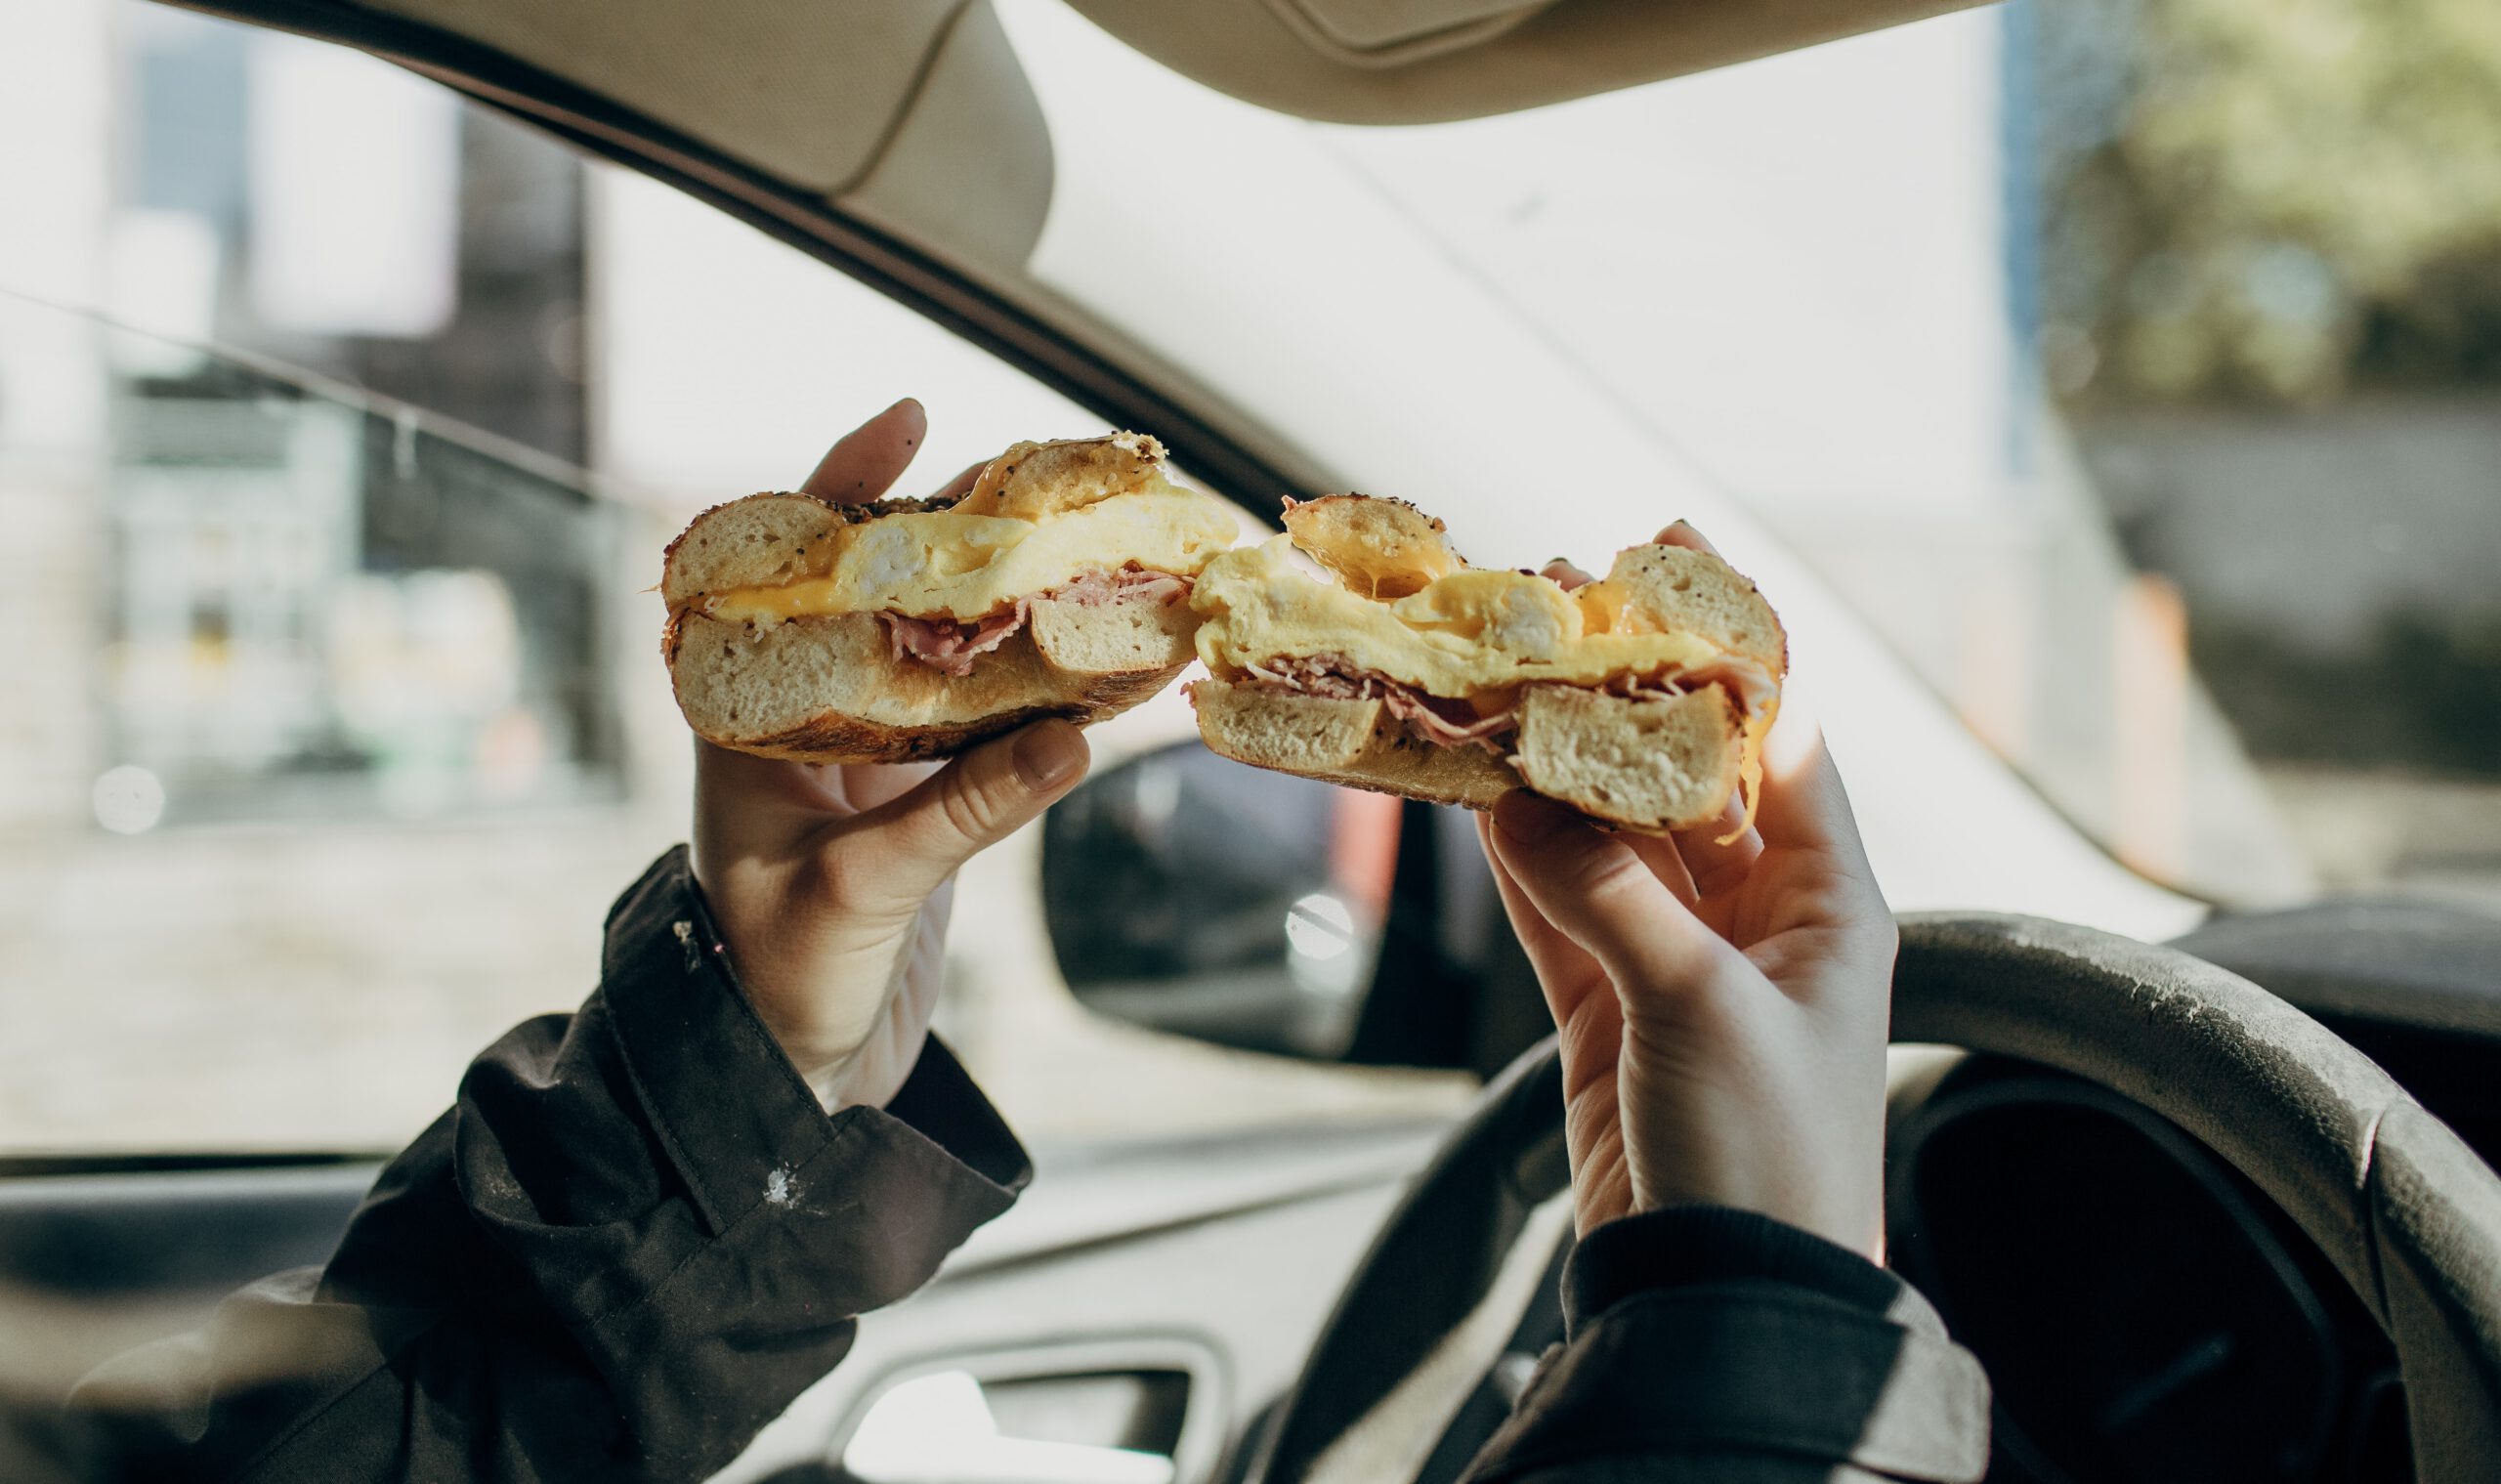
(1413, 61)
(901, 139)
(916, 115)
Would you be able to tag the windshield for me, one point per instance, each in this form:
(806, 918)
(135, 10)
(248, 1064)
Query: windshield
(1843, 304)
(341, 720)
(348, 725)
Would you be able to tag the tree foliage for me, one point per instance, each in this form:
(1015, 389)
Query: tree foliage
(2272, 199)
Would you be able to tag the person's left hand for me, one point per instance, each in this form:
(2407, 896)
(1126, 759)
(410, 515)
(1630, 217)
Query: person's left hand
(831, 883)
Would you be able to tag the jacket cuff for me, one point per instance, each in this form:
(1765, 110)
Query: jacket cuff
(1679, 1245)
(734, 1118)
(1751, 1369)
(1703, 1333)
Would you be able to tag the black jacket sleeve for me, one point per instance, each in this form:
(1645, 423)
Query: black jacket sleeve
(1708, 1344)
(631, 1242)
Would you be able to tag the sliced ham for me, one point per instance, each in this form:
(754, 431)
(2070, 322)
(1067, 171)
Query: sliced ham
(1749, 684)
(952, 645)
(1449, 723)
(1438, 720)
(1654, 688)
(944, 644)
(1095, 587)
(1427, 716)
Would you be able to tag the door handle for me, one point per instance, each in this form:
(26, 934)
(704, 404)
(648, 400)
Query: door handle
(937, 1428)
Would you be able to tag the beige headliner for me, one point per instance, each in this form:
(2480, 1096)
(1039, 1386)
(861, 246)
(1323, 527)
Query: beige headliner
(1395, 62)
(913, 117)
(815, 92)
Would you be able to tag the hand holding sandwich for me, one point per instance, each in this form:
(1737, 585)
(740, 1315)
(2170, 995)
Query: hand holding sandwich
(830, 881)
(1723, 1006)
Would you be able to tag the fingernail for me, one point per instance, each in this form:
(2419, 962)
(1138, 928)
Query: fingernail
(1528, 818)
(1048, 754)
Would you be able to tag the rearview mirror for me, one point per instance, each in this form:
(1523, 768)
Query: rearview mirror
(1192, 895)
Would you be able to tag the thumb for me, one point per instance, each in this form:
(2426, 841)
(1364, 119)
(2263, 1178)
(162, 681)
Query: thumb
(891, 858)
(1601, 895)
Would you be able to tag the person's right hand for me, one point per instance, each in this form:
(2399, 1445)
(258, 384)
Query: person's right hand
(1723, 1008)
(830, 884)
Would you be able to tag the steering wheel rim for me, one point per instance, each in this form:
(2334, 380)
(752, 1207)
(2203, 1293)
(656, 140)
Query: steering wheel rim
(2397, 1202)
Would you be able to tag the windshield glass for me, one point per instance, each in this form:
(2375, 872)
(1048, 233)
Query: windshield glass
(1844, 301)
(347, 725)
(341, 719)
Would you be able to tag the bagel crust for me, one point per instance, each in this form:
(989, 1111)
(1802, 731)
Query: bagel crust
(1645, 766)
(1642, 699)
(808, 628)
(1358, 743)
(830, 689)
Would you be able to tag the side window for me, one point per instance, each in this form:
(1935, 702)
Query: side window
(317, 607)
(341, 426)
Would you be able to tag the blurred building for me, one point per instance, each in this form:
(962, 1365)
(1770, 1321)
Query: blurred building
(286, 616)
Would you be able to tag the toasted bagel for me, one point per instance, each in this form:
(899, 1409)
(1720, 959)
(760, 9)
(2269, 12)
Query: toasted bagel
(906, 629)
(1640, 700)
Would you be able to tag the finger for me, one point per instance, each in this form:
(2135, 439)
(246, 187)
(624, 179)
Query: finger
(887, 861)
(1587, 1016)
(1803, 804)
(1682, 534)
(1806, 815)
(1564, 574)
(1716, 868)
(865, 785)
(1600, 894)
(963, 484)
(1565, 969)
(726, 779)
(870, 457)
(1659, 853)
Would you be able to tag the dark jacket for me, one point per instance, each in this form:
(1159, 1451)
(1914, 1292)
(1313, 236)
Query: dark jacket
(636, 1237)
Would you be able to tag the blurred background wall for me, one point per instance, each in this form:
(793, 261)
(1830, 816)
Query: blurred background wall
(2268, 304)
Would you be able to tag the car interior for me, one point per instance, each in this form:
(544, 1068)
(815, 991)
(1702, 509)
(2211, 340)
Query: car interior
(2212, 1199)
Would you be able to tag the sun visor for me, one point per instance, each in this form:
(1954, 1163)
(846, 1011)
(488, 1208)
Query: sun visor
(968, 167)
(886, 109)
(1402, 62)
(1382, 33)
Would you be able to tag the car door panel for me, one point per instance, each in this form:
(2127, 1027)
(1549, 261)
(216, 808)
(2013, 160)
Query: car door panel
(1225, 1290)
(102, 1261)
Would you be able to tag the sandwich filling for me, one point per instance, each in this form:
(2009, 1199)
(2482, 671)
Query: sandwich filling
(1451, 659)
(1490, 721)
(952, 645)
(951, 585)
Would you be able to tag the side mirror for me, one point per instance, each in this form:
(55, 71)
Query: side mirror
(1192, 895)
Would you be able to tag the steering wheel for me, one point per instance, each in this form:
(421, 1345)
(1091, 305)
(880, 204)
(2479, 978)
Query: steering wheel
(2399, 1204)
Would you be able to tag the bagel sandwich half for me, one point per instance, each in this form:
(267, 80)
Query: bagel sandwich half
(1057, 585)
(1640, 699)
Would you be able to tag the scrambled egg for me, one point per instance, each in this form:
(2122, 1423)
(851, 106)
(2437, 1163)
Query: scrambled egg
(1469, 632)
(922, 564)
